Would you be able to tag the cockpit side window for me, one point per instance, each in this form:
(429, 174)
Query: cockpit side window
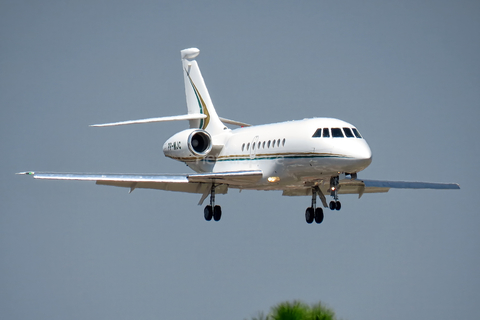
(337, 133)
(357, 134)
(326, 133)
(348, 133)
(317, 133)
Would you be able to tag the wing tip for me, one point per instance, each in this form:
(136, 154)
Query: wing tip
(26, 173)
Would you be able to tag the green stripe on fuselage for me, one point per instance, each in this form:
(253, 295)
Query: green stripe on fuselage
(282, 157)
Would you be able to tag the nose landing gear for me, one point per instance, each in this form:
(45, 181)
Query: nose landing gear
(335, 204)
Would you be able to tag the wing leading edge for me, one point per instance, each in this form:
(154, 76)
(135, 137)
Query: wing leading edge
(191, 183)
(409, 185)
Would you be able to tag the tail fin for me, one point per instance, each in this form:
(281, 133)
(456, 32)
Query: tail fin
(198, 98)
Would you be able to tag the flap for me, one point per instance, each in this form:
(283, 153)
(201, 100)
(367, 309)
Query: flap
(229, 177)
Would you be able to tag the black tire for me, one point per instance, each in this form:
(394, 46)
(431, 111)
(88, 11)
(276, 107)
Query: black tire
(332, 205)
(338, 205)
(217, 213)
(207, 212)
(318, 215)
(309, 215)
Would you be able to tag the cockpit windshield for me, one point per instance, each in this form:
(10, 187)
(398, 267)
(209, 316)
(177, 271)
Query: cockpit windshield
(326, 133)
(357, 134)
(348, 133)
(337, 133)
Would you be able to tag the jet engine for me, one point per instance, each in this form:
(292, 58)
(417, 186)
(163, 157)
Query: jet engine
(188, 144)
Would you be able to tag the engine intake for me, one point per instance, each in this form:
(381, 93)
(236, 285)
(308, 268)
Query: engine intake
(188, 144)
(200, 142)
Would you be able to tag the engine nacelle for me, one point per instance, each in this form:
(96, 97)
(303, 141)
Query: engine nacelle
(190, 144)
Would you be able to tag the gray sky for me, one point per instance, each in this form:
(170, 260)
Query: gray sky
(407, 74)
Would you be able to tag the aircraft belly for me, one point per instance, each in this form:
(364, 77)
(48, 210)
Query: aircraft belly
(337, 164)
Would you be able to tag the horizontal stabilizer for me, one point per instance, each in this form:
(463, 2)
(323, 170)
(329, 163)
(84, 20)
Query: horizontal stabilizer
(150, 120)
(235, 123)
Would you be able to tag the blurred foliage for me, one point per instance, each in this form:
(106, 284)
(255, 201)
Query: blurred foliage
(297, 310)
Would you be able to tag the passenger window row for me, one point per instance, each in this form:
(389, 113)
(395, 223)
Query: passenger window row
(263, 145)
(337, 133)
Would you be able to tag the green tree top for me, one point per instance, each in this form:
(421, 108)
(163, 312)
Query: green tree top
(297, 310)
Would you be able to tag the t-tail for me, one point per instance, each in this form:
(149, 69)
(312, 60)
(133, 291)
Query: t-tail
(198, 98)
(201, 113)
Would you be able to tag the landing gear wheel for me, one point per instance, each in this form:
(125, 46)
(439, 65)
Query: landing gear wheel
(338, 205)
(208, 213)
(332, 205)
(217, 213)
(318, 215)
(309, 215)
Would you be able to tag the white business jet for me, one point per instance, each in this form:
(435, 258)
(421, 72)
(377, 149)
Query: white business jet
(310, 157)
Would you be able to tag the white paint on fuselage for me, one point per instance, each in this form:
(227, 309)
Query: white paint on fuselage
(295, 156)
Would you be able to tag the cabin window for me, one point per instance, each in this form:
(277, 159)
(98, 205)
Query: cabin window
(326, 133)
(243, 146)
(273, 144)
(259, 144)
(263, 145)
(357, 134)
(253, 146)
(248, 146)
(337, 133)
(348, 133)
(317, 133)
(283, 142)
(268, 145)
(278, 143)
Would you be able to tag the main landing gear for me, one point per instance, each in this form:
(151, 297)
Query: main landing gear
(313, 213)
(211, 210)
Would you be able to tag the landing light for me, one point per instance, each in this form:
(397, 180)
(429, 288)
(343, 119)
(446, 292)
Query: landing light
(273, 179)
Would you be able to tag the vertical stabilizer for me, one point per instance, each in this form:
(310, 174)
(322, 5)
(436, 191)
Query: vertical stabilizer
(198, 98)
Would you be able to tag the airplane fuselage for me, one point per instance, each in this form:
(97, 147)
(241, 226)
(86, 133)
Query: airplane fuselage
(288, 153)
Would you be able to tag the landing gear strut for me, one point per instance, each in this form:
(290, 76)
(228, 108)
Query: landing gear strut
(314, 213)
(334, 205)
(211, 210)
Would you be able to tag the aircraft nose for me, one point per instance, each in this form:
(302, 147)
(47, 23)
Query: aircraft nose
(363, 155)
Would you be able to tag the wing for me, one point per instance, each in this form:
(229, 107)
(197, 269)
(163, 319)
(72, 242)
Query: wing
(192, 183)
(357, 186)
(409, 185)
(376, 186)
